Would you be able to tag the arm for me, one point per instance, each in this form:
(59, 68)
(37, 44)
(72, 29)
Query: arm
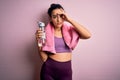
(43, 55)
(84, 33)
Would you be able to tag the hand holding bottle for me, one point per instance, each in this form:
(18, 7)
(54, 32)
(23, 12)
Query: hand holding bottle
(40, 34)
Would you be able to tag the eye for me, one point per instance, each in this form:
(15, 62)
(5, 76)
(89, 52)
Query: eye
(54, 16)
(61, 15)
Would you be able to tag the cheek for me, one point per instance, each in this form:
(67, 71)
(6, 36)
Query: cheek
(54, 20)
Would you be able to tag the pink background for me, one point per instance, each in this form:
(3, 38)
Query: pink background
(95, 59)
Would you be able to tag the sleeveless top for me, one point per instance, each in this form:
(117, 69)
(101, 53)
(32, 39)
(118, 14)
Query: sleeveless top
(60, 45)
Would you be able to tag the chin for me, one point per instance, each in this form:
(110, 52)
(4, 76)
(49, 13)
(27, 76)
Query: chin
(59, 25)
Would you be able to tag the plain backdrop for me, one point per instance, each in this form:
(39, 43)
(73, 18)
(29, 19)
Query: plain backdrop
(97, 58)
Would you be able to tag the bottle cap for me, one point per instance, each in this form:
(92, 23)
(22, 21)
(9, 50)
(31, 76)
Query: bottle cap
(41, 24)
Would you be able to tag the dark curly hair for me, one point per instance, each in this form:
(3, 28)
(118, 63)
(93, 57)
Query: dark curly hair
(54, 6)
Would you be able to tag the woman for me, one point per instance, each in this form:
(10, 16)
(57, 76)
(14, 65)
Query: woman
(56, 53)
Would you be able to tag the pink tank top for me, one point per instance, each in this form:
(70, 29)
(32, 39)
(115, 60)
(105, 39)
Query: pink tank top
(60, 45)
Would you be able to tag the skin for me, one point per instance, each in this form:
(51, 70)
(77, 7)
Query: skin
(58, 16)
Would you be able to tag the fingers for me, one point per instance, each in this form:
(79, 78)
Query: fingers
(39, 34)
(62, 10)
(63, 15)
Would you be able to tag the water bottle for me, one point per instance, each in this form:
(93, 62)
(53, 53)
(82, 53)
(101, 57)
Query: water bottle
(42, 39)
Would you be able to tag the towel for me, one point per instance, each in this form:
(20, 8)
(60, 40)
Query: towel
(70, 35)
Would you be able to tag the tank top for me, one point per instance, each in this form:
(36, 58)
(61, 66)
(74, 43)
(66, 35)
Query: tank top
(60, 45)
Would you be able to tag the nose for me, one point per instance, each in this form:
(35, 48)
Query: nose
(58, 18)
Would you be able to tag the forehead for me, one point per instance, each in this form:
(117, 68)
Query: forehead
(56, 11)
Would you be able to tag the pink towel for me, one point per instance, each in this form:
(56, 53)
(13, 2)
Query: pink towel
(70, 36)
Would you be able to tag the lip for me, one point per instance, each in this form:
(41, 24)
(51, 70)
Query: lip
(59, 23)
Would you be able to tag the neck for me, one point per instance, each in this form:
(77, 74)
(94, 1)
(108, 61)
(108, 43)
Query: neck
(58, 32)
(57, 29)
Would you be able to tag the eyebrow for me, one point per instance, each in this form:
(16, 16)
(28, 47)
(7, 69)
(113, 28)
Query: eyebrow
(56, 14)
